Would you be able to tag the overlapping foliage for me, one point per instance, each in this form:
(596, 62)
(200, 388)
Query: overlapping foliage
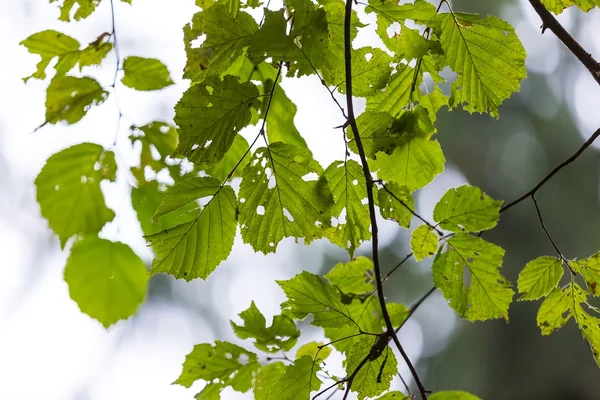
(191, 223)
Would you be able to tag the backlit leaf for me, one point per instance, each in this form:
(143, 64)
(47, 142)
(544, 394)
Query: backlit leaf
(83, 8)
(453, 395)
(107, 280)
(266, 378)
(279, 198)
(557, 6)
(423, 242)
(145, 73)
(355, 276)
(314, 349)
(49, 44)
(280, 121)
(467, 208)
(298, 381)
(68, 190)
(281, 335)
(589, 268)
(238, 148)
(539, 277)
(488, 294)
(68, 98)
(396, 203)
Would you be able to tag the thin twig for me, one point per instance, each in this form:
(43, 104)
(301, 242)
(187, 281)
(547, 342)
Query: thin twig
(373, 216)
(414, 307)
(405, 259)
(568, 161)
(550, 22)
(113, 34)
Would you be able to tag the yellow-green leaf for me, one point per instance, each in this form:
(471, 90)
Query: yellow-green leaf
(49, 44)
(145, 74)
(467, 208)
(557, 6)
(68, 98)
(539, 277)
(423, 242)
(355, 276)
(298, 381)
(589, 268)
(396, 203)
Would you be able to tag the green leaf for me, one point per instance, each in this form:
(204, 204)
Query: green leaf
(423, 242)
(396, 95)
(145, 74)
(314, 350)
(68, 98)
(467, 208)
(266, 378)
(223, 168)
(557, 6)
(95, 52)
(223, 364)
(390, 11)
(83, 9)
(396, 203)
(299, 380)
(194, 249)
(281, 335)
(309, 294)
(107, 280)
(489, 294)
(146, 199)
(278, 198)
(409, 43)
(68, 190)
(376, 375)
(453, 395)
(280, 121)
(395, 395)
(210, 115)
(413, 164)
(155, 136)
(558, 308)
(487, 56)
(589, 268)
(539, 277)
(50, 44)
(355, 276)
(347, 183)
(226, 36)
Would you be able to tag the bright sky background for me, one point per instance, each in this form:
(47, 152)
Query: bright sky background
(48, 349)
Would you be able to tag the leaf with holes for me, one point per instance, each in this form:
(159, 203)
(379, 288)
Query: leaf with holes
(394, 98)
(154, 137)
(396, 203)
(298, 381)
(281, 335)
(539, 277)
(488, 294)
(558, 6)
(224, 364)
(145, 74)
(355, 276)
(279, 198)
(194, 249)
(68, 98)
(68, 190)
(589, 268)
(237, 153)
(347, 183)
(375, 376)
(84, 8)
(226, 36)
(107, 280)
(488, 57)
(558, 308)
(423, 242)
(467, 208)
(309, 294)
(209, 116)
(50, 44)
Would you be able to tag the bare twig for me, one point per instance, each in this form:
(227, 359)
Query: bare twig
(568, 161)
(550, 22)
(414, 307)
(371, 201)
(113, 34)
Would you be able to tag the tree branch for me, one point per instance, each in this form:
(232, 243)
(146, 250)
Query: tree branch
(550, 22)
(371, 200)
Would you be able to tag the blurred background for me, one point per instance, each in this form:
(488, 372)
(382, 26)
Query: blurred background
(50, 350)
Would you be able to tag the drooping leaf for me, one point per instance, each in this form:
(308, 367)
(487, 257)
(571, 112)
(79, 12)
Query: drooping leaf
(209, 116)
(557, 6)
(298, 381)
(467, 208)
(278, 198)
(95, 52)
(107, 280)
(539, 277)
(488, 57)
(224, 364)
(69, 98)
(396, 203)
(194, 249)
(589, 268)
(146, 199)
(309, 294)
(50, 44)
(488, 294)
(145, 74)
(68, 190)
(347, 183)
(423, 242)
(226, 36)
(409, 43)
(453, 395)
(376, 375)
(355, 276)
(223, 168)
(281, 335)
(266, 378)
(314, 350)
(280, 121)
